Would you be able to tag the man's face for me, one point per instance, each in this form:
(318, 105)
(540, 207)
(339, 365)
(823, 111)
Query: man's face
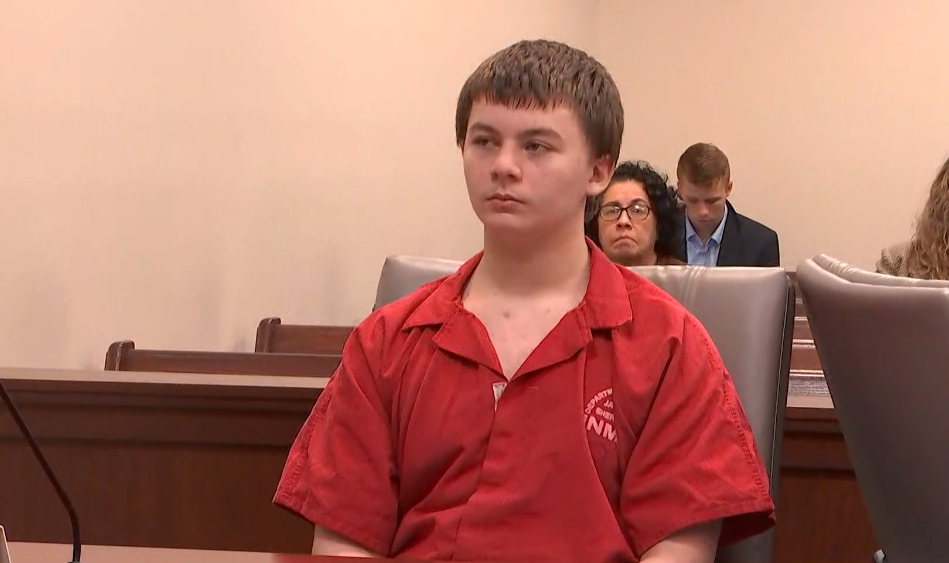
(529, 170)
(704, 205)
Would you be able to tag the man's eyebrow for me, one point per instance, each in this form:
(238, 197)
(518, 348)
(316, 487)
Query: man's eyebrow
(477, 126)
(541, 132)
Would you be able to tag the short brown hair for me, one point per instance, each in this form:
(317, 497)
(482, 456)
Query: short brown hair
(545, 74)
(704, 164)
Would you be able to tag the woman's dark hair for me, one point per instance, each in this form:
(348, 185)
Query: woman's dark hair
(663, 202)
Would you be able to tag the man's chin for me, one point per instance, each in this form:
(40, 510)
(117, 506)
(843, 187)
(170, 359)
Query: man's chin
(507, 224)
(515, 229)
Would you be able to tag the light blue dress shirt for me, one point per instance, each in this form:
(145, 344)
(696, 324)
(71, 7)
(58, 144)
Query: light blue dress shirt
(703, 254)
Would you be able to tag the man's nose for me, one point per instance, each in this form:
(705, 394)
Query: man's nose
(505, 166)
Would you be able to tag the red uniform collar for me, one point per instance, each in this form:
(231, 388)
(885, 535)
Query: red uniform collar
(605, 305)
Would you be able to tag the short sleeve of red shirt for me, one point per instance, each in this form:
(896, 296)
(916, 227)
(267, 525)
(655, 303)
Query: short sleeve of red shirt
(696, 460)
(340, 472)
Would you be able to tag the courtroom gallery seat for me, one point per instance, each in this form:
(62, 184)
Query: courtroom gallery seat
(883, 344)
(749, 314)
(274, 336)
(123, 356)
(402, 275)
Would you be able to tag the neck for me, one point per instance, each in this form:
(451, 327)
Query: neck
(705, 234)
(644, 259)
(552, 264)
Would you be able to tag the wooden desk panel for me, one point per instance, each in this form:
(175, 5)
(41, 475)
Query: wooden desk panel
(47, 552)
(821, 513)
(153, 459)
(192, 461)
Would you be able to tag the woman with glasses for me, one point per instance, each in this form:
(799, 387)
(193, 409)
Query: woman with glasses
(636, 221)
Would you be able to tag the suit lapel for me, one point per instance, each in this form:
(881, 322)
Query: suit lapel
(731, 249)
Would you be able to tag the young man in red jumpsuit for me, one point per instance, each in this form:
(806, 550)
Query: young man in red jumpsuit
(541, 404)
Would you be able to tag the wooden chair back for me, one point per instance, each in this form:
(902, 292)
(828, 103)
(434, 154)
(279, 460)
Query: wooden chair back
(123, 356)
(274, 336)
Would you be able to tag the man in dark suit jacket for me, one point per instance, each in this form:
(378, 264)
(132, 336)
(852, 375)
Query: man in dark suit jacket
(714, 234)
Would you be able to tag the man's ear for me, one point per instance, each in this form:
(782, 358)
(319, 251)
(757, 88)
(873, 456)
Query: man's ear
(601, 175)
(728, 189)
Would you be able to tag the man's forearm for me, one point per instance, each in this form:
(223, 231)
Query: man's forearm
(326, 542)
(697, 544)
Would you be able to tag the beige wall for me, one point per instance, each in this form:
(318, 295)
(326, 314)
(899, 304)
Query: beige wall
(835, 115)
(173, 171)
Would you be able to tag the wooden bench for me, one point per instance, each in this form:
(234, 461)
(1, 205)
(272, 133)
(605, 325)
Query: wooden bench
(802, 330)
(123, 356)
(274, 336)
(804, 356)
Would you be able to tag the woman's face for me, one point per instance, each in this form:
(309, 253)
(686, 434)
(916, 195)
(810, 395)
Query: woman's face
(630, 238)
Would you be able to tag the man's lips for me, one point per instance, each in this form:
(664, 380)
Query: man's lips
(504, 197)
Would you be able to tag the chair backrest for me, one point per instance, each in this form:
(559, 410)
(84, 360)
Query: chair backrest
(799, 309)
(275, 337)
(853, 274)
(882, 341)
(749, 314)
(401, 275)
(123, 356)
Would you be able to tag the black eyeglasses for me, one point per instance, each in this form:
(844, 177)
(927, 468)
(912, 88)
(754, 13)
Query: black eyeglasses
(636, 211)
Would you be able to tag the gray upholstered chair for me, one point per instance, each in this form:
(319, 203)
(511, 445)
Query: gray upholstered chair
(401, 275)
(749, 314)
(856, 275)
(883, 343)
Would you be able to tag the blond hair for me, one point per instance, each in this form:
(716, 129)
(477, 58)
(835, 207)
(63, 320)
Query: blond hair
(928, 254)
